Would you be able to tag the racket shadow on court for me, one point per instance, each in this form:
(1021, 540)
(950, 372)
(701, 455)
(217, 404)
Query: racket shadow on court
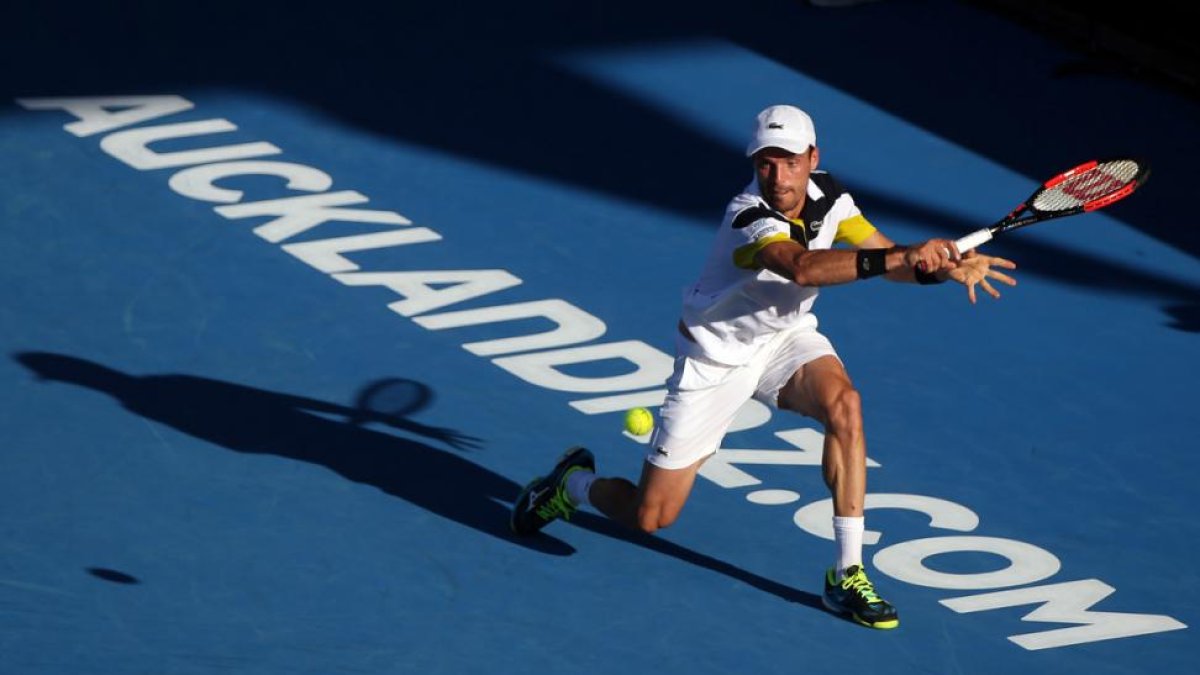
(256, 421)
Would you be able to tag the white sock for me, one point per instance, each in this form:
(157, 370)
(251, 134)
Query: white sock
(848, 535)
(578, 485)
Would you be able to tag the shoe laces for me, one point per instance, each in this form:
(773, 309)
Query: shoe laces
(557, 506)
(862, 586)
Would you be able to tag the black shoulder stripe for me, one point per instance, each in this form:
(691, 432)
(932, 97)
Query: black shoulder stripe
(828, 184)
(755, 213)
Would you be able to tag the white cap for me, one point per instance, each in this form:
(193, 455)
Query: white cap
(782, 126)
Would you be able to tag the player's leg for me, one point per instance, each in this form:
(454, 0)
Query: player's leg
(654, 503)
(702, 400)
(821, 389)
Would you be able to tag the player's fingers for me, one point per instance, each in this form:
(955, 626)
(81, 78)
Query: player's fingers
(971, 293)
(988, 287)
(1002, 277)
(1003, 262)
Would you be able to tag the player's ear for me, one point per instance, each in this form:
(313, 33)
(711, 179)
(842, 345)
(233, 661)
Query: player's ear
(814, 157)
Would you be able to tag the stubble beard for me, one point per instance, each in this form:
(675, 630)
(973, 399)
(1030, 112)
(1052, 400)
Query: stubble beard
(783, 203)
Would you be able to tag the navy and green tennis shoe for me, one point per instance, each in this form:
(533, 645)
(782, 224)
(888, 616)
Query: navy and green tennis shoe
(854, 595)
(545, 499)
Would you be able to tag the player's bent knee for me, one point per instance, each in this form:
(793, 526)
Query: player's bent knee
(652, 518)
(647, 520)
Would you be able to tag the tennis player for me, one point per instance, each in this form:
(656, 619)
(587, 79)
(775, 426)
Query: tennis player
(747, 330)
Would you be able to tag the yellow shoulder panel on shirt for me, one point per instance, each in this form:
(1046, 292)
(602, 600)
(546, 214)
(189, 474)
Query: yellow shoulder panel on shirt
(854, 230)
(743, 256)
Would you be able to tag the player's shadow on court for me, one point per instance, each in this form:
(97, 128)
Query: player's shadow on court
(245, 419)
(249, 420)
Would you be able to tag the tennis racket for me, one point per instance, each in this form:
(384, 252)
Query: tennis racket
(1089, 186)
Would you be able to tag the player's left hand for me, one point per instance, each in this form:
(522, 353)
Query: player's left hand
(974, 269)
(451, 437)
(455, 439)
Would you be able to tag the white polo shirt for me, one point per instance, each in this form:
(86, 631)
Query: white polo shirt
(736, 305)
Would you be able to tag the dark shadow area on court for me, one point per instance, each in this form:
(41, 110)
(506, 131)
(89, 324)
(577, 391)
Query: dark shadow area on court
(249, 420)
(1157, 43)
(113, 576)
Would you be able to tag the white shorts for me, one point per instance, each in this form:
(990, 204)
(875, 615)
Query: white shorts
(703, 396)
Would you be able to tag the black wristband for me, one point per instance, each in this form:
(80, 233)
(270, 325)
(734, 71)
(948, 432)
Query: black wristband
(925, 278)
(871, 262)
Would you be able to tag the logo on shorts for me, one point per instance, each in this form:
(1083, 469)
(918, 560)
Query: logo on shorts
(659, 451)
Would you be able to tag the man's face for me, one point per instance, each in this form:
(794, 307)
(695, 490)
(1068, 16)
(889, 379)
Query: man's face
(783, 178)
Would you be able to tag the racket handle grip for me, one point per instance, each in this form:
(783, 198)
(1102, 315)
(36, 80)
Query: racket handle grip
(974, 239)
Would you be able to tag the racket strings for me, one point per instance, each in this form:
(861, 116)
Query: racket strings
(1098, 182)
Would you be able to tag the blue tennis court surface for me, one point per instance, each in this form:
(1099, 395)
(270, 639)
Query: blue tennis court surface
(223, 231)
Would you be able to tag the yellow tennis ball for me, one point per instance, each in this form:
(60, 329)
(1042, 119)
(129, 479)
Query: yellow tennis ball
(639, 421)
